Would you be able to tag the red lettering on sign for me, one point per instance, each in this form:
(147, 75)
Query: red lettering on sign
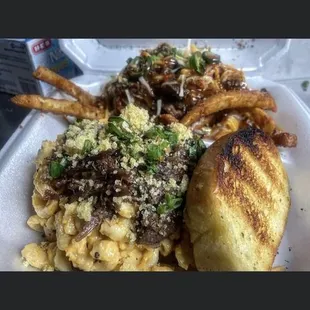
(41, 46)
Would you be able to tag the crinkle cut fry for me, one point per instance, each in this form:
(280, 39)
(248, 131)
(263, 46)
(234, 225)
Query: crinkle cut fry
(229, 100)
(46, 75)
(59, 106)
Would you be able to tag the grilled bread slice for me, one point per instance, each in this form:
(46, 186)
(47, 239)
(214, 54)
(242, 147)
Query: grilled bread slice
(237, 204)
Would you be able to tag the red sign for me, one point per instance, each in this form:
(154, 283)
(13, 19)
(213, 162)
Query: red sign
(41, 46)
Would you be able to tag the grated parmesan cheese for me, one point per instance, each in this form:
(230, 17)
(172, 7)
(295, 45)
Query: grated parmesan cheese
(137, 117)
(183, 132)
(85, 208)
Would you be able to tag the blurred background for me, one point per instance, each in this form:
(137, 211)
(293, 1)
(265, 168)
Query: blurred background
(283, 60)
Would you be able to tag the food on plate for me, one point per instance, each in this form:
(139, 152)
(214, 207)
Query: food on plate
(237, 203)
(110, 193)
(191, 86)
(111, 197)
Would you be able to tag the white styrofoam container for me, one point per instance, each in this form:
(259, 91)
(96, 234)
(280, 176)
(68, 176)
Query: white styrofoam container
(103, 56)
(17, 168)
(18, 155)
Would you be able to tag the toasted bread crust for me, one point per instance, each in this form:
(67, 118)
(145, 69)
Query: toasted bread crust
(237, 203)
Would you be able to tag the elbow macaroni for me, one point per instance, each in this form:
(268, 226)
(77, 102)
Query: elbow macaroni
(127, 210)
(166, 247)
(44, 209)
(116, 229)
(109, 247)
(36, 223)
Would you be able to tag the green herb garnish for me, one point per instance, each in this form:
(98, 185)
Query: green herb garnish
(87, 147)
(171, 203)
(117, 120)
(179, 56)
(305, 85)
(156, 152)
(154, 132)
(157, 132)
(152, 59)
(196, 149)
(172, 137)
(136, 67)
(57, 168)
(115, 127)
(174, 51)
(197, 63)
(152, 168)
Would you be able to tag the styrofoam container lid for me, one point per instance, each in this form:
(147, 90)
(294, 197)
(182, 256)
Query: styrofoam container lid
(17, 168)
(108, 56)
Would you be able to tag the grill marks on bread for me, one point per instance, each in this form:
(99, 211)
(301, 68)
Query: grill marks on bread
(246, 156)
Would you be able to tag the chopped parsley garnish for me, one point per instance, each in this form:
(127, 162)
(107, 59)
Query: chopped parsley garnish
(116, 127)
(171, 203)
(180, 56)
(172, 137)
(174, 51)
(57, 168)
(305, 85)
(157, 132)
(156, 152)
(117, 120)
(196, 149)
(197, 63)
(138, 66)
(152, 168)
(152, 59)
(154, 132)
(87, 147)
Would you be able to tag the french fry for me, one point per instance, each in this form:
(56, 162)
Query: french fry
(229, 124)
(284, 139)
(229, 100)
(278, 268)
(264, 121)
(59, 106)
(46, 75)
(207, 121)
